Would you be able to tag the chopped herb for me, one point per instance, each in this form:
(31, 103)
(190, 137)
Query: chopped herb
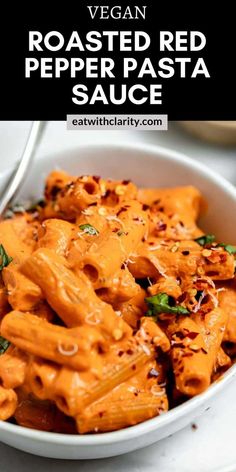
(4, 344)
(163, 303)
(17, 208)
(22, 208)
(89, 229)
(230, 249)
(5, 259)
(35, 205)
(206, 239)
(120, 233)
(14, 209)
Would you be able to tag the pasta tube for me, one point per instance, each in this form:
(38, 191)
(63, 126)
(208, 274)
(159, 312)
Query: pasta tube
(13, 364)
(41, 378)
(227, 301)
(189, 357)
(56, 234)
(77, 195)
(132, 310)
(72, 297)
(12, 234)
(180, 259)
(138, 399)
(116, 192)
(122, 287)
(76, 347)
(112, 249)
(186, 201)
(223, 361)
(89, 224)
(74, 391)
(195, 346)
(23, 294)
(56, 181)
(8, 403)
(212, 328)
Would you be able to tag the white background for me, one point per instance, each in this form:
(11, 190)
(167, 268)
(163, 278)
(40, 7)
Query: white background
(210, 447)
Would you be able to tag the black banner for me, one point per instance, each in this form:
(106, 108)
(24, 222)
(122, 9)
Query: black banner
(64, 81)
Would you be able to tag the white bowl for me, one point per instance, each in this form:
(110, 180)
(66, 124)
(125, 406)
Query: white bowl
(147, 166)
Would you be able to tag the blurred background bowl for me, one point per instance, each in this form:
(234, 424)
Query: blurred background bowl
(218, 132)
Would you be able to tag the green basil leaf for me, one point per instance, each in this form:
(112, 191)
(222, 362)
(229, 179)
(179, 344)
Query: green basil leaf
(161, 303)
(206, 239)
(4, 344)
(89, 229)
(4, 258)
(230, 249)
(120, 233)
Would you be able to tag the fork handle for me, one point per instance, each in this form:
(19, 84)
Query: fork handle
(10, 190)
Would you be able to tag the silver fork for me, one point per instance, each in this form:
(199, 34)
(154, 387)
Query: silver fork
(11, 188)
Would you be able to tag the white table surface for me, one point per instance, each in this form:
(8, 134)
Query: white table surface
(210, 447)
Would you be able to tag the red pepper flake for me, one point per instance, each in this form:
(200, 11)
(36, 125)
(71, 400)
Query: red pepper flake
(212, 273)
(194, 426)
(192, 335)
(107, 193)
(177, 344)
(145, 207)
(120, 353)
(100, 350)
(121, 210)
(133, 367)
(100, 414)
(179, 334)
(203, 350)
(182, 297)
(161, 226)
(129, 352)
(54, 191)
(185, 253)
(96, 178)
(126, 182)
(223, 257)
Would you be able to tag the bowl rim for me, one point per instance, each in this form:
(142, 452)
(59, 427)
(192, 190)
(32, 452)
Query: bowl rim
(176, 413)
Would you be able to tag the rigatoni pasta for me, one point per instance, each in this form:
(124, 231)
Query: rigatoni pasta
(114, 305)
